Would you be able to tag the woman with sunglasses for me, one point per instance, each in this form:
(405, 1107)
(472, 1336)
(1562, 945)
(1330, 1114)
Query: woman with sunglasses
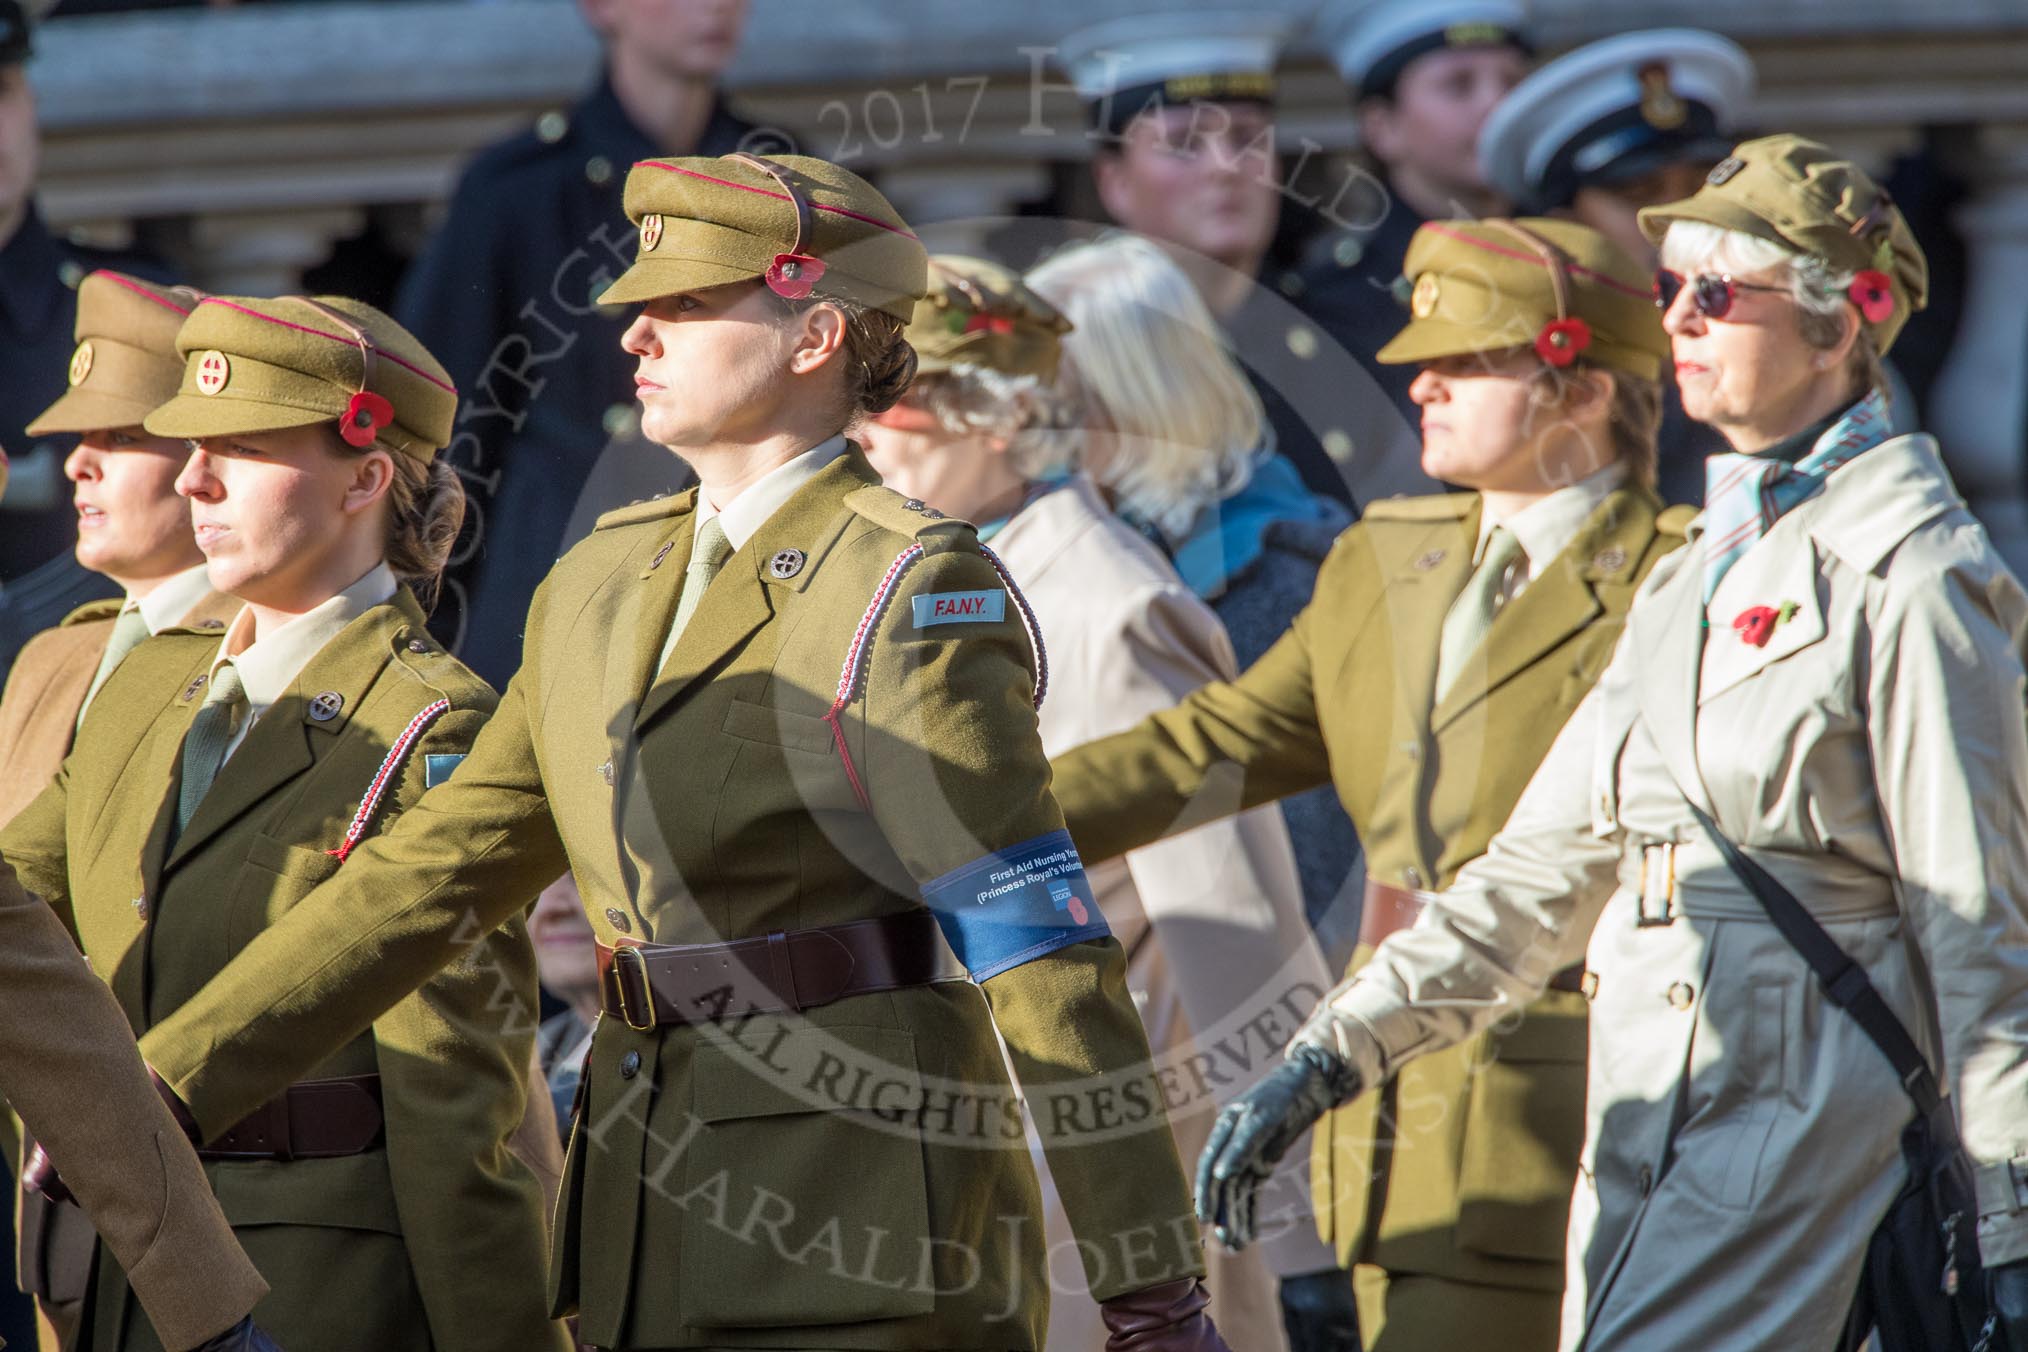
(218, 777)
(1829, 677)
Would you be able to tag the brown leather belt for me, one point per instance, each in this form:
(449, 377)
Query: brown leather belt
(1388, 909)
(657, 985)
(314, 1120)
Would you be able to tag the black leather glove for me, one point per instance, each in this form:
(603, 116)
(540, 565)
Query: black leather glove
(245, 1336)
(1318, 1312)
(2008, 1284)
(1256, 1129)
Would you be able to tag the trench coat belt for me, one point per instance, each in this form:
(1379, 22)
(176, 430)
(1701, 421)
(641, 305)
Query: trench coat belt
(1690, 878)
(657, 985)
(312, 1120)
(1388, 909)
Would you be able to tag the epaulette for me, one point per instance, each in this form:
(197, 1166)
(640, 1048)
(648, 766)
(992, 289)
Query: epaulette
(1429, 507)
(1676, 520)
(911, 517)
(431, 664)
(647, 509)
(108, 608)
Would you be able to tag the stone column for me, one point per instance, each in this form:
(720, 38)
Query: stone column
(264, 253)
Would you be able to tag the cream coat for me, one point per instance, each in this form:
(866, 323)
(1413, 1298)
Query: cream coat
(1743, 1134)
(1212, 920)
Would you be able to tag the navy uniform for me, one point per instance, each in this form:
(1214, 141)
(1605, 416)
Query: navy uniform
(1613, 126)
(505, 294)
(1347, 280)
(39, 273)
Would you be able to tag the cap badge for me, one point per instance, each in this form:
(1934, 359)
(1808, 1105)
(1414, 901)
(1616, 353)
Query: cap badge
(651, 231)
(792, 276)
(1722, 172)
(81, 362)
(1661, 107)
(1422, 301)
(213, 371)
(364, 417)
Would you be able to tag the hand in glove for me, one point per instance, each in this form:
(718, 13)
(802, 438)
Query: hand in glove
(1256, 1129)
(1166, 1317)
(2009, 1286)
(245, 1336)
(1319, 1313)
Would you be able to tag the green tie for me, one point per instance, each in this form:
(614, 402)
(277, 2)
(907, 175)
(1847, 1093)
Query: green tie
(128, 631)
(1471, 615)
(707, 555)
(204, 745)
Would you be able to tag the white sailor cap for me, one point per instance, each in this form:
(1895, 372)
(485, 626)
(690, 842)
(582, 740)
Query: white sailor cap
(1614, 109)
(1124, 66)
(1373, 41)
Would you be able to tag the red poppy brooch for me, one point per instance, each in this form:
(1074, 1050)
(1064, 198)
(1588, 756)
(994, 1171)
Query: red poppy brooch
(792, 276)
(1873, 293)
(1561, 340)
(364, 417)
(1756, 624)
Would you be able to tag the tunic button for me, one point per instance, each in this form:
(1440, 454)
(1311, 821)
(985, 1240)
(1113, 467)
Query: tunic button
(617, 918)
(1412, 876)
(630, 1065)
(1647, 1179)
(416, 645)
(1681, 994)
(606, 773)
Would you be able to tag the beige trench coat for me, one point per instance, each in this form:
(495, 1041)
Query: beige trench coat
(1743, 1134)
(1218, 950)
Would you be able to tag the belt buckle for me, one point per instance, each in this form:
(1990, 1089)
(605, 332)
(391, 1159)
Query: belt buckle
(627, 959)
(1662, 856)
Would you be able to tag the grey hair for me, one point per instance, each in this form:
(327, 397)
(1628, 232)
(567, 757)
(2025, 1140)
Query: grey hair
(1818, 289)
(1034, 419)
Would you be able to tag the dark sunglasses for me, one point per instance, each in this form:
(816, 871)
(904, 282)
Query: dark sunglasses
(1711, 292)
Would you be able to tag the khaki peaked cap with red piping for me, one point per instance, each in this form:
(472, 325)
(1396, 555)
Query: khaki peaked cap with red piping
(1561, 288)
(804, 226)
(125, 362)
(264, 365)
(979, 313)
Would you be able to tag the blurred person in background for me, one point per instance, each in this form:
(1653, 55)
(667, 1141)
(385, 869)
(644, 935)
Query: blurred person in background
(40, 581)
(506, 292)
(1172, 435)
(1423, 76)
(1609, 128)
(1212, 923)
(567, 963)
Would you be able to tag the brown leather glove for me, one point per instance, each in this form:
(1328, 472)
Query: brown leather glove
(1168, 1317)
(38, 1174)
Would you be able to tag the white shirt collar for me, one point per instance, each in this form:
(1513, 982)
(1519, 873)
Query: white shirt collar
(1544, 527)
(172, 599)
(765, 495)
(269, 667)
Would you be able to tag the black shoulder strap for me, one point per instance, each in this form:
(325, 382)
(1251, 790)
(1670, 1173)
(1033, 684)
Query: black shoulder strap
(1844, 981)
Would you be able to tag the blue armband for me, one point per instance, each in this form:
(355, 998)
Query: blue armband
(1016, 905)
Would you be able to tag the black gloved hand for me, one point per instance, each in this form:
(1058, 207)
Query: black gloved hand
(1256, 1129)
(2008, 1284)
(245, 1336)
(1318, 1312)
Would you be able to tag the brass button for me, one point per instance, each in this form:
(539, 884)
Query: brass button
(617, 918)
(1681, 995)
(630, 1065)
(416, 645)
(1303, 342)
(598, 170)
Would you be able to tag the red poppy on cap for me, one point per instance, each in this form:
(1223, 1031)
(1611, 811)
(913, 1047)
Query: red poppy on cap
(1561, 340)
(989, 324)
(792, 276)
(364, 417)
(1873, 293)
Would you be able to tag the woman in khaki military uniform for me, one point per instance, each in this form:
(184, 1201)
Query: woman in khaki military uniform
(1831, 672)
(782, 732)
(1217, 947)
(215, 781)
(1450, 638)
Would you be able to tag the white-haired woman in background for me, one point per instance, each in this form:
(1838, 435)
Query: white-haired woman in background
(1172, 432)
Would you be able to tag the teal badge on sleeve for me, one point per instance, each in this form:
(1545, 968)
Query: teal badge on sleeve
(437, 767)
(969, 607)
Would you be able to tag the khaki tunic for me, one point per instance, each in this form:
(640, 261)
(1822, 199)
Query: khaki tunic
(728, 1185)
(433, 1240)
(1461, 1168)
(1743, 1133)
(1220, 960)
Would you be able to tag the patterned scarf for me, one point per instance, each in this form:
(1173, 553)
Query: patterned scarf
(1744, 495)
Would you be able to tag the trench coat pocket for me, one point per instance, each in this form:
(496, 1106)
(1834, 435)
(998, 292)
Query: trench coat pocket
(275, 877)
(1722, 1147)
(1524, 1129)
(825, 1213)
